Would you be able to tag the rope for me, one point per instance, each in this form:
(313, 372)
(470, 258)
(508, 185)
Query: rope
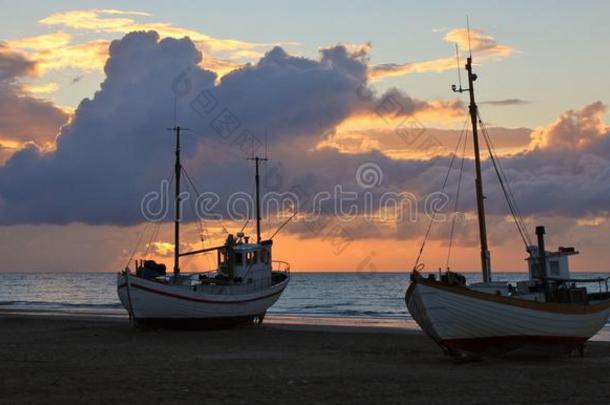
(421, 249)
(505, 185)
(203, 230)
(457, 200)
(135, 249)
(153, 236)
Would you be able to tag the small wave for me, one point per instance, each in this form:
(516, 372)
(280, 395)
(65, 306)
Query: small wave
(51, 304)
(342, 313)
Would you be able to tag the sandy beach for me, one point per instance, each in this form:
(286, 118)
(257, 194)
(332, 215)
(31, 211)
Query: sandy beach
(52, 360)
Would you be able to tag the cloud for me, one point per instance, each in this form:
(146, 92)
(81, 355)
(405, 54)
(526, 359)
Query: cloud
(24, 118)
(483, 46)
(400, 69)
(57, 50)
(354, 139)
(45, 88)
(14, 64)
(505, 102)
(115, 143)
(116, 21)
(582, 129)
(115, 148)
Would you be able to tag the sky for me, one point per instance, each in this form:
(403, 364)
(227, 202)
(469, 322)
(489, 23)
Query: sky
(352, 103)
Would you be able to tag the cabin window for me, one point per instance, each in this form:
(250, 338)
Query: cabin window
(239, 259)
(222, 257)
(554, 268)
(251, 258)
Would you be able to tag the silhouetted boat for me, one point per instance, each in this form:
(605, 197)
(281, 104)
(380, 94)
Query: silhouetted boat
(548, 310)
(245, 284)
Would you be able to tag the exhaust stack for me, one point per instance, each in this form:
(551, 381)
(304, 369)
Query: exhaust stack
(541, 252)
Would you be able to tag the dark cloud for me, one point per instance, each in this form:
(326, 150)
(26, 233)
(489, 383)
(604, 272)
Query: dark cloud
(24, 118)
(14, 64)
(116, 149)
(506, 102)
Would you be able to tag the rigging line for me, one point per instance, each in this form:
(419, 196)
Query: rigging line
(457, 200)
(157, 225)
(522, 223)
(504, 190)
(133, 253)
(202, 228)
(153, 236)
(421, 249)
(201, 220)
(244, 227)
(135, 249)
(283, 225)
(193, 208)
(503, 184)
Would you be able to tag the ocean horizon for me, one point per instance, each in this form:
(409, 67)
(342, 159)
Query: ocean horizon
(376, 295)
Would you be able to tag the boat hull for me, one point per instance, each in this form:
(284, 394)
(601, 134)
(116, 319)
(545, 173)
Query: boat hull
(467, 322)
(153, 303)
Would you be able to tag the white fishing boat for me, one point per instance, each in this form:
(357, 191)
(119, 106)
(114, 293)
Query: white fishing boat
(549, 310)
(246, 282)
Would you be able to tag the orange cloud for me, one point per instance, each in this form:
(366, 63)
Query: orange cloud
(483, 46)
(45, 88)
(219, 66)
(116, 21)
(574, 129)
(55, 51)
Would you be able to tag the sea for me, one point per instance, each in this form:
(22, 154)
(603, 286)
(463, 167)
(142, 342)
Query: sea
(358, 294)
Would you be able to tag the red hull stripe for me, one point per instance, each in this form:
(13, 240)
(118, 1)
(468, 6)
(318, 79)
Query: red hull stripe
(182, 297)
(482, 344)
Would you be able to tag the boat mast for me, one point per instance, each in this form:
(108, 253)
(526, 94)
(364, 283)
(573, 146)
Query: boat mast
(473, 109)
(256, 160)
(178, 171)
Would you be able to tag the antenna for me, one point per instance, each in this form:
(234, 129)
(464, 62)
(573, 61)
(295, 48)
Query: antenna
(457, 55)
(266, 142)
(468, 29)
(175, 112)
(257, 160)
(455, 88)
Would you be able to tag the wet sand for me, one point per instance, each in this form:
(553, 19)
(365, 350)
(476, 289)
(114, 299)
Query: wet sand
(54, 360)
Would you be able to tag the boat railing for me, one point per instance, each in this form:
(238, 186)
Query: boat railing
(601, 281)
(280, 266)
